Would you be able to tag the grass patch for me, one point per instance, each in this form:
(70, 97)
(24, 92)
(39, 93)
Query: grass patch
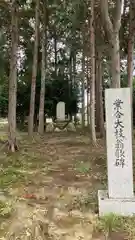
(112, 223)
(9, 176)
(129, 227)
(5, 209)
(108, 224)
(22, 160)
(84, 203)
(83, 167)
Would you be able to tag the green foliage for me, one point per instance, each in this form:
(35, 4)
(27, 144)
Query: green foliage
(56, 90)
(66, 22)
(110, 223)
(83, 168)
(10, 176)
(59, 86)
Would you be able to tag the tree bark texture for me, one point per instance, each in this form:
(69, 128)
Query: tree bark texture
(112, 30)
(43, 76)
(88, 93)
(115, 61)
(55, 53)
(13, 80)
(92, 75)
(83, 90)
(99, 96)
(131, 44)
(34, 72)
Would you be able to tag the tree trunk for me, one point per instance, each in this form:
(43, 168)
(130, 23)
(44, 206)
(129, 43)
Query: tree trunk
(130, 61)
(43, 76)
(70, 80)
(130, 56)
(115, 61)
(112, 29)
(97, 92)
(34, 72)
(92, 76)
(100, 74)
(88, 93)
(55, 53)
(70, 73)
(99, 96)
(88, 107)
(13, 80)
(74, 68)
(83, 90)
(131, 44)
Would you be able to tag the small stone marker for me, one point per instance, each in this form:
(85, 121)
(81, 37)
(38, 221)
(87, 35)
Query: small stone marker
(60, 111)
(119, 198)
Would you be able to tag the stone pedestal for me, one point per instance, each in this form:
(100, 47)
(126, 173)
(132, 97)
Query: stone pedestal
(121, 207)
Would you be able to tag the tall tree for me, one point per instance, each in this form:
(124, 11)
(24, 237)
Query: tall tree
(99, 94)
(43, 72)
(112, 28)
(55, 52)
(34, 71)
(83, 89)
(92, 75)
(13, 79)
(131, 39)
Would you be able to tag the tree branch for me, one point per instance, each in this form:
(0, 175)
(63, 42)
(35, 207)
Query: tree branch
(106, 18)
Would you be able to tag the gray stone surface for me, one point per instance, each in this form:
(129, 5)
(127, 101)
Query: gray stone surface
(60, 111)
(57, 129)
(71, 127)
(120, 179)
(49, 127)
(121, 207)
(119, 199)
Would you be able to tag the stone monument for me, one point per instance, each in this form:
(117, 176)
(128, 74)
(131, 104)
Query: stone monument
(119, 199)
(60, 111)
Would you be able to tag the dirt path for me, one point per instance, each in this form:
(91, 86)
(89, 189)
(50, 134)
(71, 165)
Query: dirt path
(57, 196)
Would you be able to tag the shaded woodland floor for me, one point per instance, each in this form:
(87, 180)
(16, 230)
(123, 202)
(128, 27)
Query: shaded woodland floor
(49, 190)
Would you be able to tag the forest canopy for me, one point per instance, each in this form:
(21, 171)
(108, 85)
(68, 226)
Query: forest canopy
(53, 51)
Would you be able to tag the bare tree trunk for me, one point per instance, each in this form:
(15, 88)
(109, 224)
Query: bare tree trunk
(100, 74)
(130, 56)
(13, 80)
(97, 92)
(88, 94)
(74, 68)
(123, 25)
(92, 86)
(55, 53)
(83, 90)
(43, 76)
(34, 72)
(99, 96)
(70, 79)
(88, 107)
(70, 66)
(115, 61)
(130, 61)
(112, 30)
(131, 44)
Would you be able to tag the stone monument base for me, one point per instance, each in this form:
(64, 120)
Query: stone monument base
(121, 207)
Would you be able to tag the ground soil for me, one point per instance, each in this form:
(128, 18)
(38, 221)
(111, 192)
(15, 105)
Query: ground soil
(58, 176)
